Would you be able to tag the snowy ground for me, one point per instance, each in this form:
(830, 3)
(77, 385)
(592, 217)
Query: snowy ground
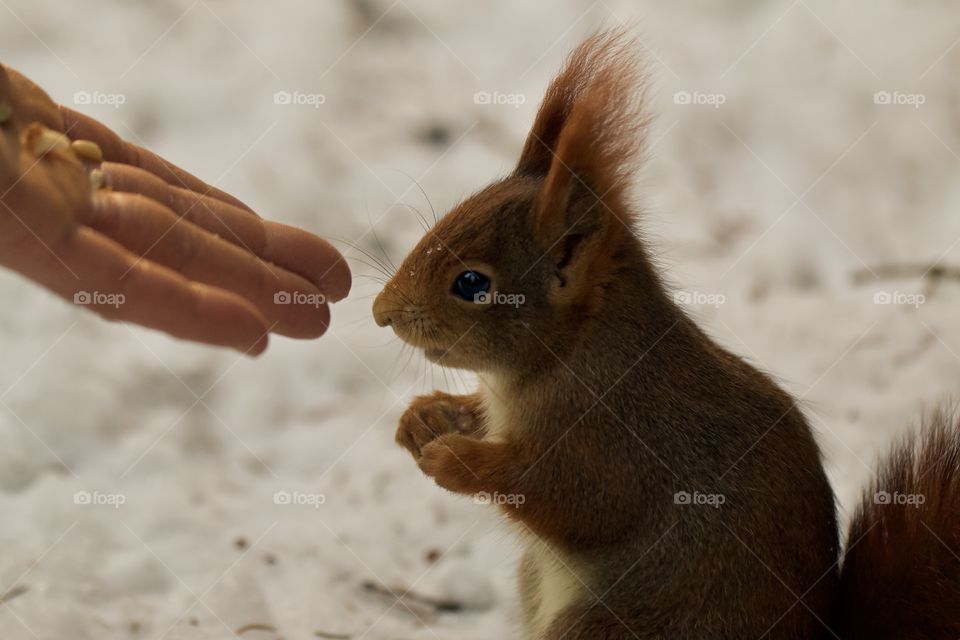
(770, 203)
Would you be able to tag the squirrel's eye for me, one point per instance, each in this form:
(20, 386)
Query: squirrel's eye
(470, 285)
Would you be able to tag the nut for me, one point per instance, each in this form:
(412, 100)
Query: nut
(97, 181)
(48, 140)
(87, 150)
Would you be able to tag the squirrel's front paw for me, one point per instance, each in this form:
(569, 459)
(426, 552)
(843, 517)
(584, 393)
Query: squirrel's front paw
(447, 460)
(430, 417)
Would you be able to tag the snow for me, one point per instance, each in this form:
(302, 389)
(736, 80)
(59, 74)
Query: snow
(154, 489)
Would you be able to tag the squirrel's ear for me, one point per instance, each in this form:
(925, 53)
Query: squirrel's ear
(585, 143)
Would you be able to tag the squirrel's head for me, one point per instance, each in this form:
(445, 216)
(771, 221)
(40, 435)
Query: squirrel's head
(513, 272)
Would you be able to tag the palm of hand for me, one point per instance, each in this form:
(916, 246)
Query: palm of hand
(183, 256)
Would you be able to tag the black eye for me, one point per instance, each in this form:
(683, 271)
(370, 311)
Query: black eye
(471, 285)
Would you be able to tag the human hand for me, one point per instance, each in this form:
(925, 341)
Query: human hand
(140, 240)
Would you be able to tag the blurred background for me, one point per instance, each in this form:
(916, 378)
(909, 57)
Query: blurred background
(801, 193)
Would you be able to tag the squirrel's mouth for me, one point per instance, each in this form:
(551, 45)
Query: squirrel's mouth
(415, 339)
(434, 354)
(415, 333)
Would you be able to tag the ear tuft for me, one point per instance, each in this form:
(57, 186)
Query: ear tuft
(588, 137)
(606, 70)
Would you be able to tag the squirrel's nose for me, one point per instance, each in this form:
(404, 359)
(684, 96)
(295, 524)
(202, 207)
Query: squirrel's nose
(383, 310)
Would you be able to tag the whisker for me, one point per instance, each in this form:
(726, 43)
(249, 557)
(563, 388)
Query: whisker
(373, 231)
(380, 346)
(406, 299)
(369, 297)
(423, 221)
(397, 310)
(393, 373)
(446, 380)
(383, 266)
(411, 353)
(463, 382)
(375, 266)
(424, 194)
(377, 273)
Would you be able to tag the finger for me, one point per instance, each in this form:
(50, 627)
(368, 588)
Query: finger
(116, 149)
(234, 225)
(8, 132)
(30, 103)
(305, 253)
(293, 249)
(151, 230)
(21, 102)
(90, 269)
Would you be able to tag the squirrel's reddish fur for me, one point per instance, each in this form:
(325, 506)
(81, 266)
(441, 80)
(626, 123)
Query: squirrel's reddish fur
(901, 566)
(621, 426)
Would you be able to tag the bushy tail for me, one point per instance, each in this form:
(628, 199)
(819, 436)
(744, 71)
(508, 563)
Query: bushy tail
(901, 570)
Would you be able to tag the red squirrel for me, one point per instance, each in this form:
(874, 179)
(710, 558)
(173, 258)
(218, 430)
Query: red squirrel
(663, 487)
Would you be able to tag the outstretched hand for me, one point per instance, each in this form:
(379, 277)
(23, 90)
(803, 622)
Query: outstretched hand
(107, 224)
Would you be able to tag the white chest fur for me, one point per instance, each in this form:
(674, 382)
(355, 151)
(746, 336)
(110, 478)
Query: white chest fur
(557, 583)
(494, 394)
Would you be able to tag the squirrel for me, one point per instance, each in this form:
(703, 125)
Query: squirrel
(662, 486)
